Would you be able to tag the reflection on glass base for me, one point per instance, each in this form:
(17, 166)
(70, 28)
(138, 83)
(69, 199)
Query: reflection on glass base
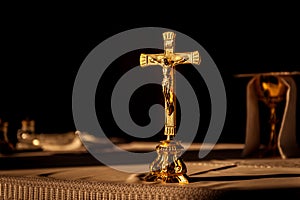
(168, 167)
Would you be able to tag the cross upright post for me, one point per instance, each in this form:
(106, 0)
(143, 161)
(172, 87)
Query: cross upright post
(168, 167)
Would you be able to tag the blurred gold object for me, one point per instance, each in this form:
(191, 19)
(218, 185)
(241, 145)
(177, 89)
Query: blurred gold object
(6, 146)
(271, 90)
(26, 135)
(168, 167)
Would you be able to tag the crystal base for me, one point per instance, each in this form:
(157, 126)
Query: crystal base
(168, 167)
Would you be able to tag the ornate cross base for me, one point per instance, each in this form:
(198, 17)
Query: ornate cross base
(168, 167)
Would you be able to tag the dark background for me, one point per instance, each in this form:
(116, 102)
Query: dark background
(42, 49)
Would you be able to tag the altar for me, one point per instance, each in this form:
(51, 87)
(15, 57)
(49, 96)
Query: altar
(222, 174)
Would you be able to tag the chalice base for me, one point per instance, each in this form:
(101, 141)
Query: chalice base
(168, 167)
(270, 151)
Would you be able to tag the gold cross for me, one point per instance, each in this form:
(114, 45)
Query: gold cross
(168, 60)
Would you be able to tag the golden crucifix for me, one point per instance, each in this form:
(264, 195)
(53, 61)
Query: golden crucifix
(168, 166)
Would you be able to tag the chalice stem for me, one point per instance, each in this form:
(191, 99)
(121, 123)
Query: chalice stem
(273, 134)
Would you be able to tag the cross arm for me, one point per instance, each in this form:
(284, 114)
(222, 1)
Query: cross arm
(151, 59)
(187, 58)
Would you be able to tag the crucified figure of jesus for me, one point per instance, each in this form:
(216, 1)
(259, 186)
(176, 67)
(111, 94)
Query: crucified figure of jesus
(168, 60)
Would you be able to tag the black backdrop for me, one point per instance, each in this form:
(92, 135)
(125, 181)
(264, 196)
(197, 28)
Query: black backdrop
(43, 49)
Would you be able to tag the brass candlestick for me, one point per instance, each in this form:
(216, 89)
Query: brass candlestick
(169, 167)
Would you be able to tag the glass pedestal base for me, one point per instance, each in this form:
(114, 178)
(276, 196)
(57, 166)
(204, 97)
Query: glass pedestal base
(168, 167)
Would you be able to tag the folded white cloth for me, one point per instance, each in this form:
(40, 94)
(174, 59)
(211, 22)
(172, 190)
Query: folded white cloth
(287, 141)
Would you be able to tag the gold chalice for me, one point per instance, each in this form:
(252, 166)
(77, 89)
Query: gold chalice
(271, 91)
